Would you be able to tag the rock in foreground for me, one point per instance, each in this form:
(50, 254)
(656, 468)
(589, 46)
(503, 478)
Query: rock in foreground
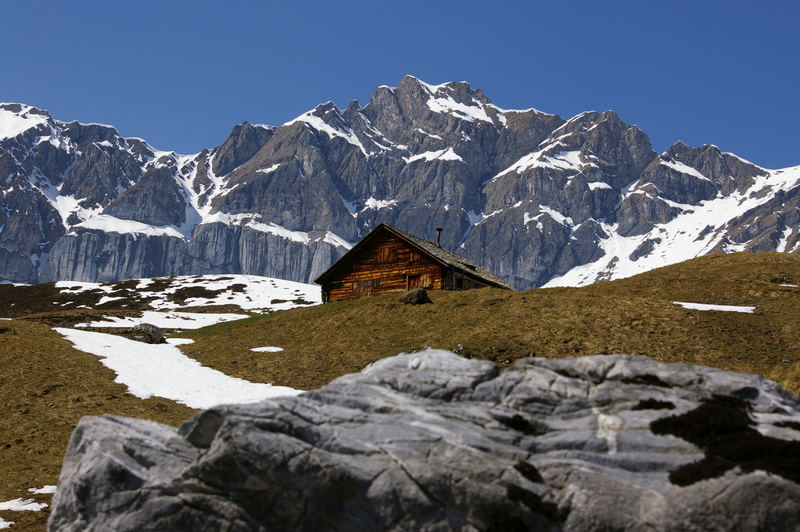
(433, 441)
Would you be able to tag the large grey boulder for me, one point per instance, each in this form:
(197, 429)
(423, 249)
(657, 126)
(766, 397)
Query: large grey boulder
(433, 441)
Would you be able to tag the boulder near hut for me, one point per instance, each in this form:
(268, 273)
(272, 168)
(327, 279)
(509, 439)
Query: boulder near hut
(388, 260)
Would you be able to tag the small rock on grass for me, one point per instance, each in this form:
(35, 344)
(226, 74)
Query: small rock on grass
(418, 296)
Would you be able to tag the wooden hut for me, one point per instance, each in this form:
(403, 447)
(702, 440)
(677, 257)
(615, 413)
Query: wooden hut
(388, 260)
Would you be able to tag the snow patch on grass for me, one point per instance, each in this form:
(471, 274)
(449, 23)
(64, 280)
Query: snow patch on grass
(179, 341)
(244, 291)
(22, 505)
(723, 308)
(166, 320)
(44, 490)
(268, 349)
(162, 370)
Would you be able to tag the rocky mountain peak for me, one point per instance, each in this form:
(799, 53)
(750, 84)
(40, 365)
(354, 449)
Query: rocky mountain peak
(727, 171)
(242, 143)
(440, 110)
(528, 195)
(17, 119)
(460, 91)
(23, 110)
(82, 134)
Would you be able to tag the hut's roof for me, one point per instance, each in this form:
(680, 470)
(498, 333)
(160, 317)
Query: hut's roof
(440, 255)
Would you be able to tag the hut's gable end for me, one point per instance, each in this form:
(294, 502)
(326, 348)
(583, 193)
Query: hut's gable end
(383, 263)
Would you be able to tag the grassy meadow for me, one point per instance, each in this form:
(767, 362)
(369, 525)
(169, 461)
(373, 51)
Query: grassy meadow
(46, 385)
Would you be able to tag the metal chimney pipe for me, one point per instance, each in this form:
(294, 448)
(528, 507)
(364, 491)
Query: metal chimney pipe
(439, 237)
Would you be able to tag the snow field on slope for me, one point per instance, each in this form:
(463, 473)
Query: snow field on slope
(162, 370)
(252, 221)
(196, 212)
(13, 124)
(320, 125)
(440, 102)
(166, 320)
(680, 238)
(442, 155)
(248, 292)
(256, 293)
(112, 224)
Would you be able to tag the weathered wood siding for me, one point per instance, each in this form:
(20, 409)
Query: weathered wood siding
(385, 264)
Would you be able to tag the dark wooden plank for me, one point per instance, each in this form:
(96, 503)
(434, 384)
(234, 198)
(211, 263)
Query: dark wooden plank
(386, 264)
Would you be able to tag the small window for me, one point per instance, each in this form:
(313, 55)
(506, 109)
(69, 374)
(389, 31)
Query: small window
(414, 281)
(413, 256)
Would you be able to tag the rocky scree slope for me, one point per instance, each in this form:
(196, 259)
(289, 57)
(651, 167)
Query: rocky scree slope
(430, 441)
(528, 195)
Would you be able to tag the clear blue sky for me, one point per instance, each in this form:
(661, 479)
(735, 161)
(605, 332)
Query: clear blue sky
(182, 74)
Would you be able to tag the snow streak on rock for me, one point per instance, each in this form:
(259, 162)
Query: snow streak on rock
(528, 195)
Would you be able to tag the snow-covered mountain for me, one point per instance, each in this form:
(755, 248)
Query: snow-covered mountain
(531, 196)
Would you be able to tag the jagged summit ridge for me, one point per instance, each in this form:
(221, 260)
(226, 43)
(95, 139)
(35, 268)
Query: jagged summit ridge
(533, 197)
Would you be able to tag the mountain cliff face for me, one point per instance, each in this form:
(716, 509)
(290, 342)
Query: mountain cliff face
(532, 197)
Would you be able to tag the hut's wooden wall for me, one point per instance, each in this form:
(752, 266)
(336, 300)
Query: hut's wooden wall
(385, 264)
(459, 281)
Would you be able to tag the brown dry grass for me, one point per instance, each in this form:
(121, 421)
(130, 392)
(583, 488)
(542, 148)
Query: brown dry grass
(46, 386)
(633, 315)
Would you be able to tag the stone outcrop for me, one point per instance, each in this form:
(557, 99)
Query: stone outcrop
(214, 248)
(147, 332)
(430, 440)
